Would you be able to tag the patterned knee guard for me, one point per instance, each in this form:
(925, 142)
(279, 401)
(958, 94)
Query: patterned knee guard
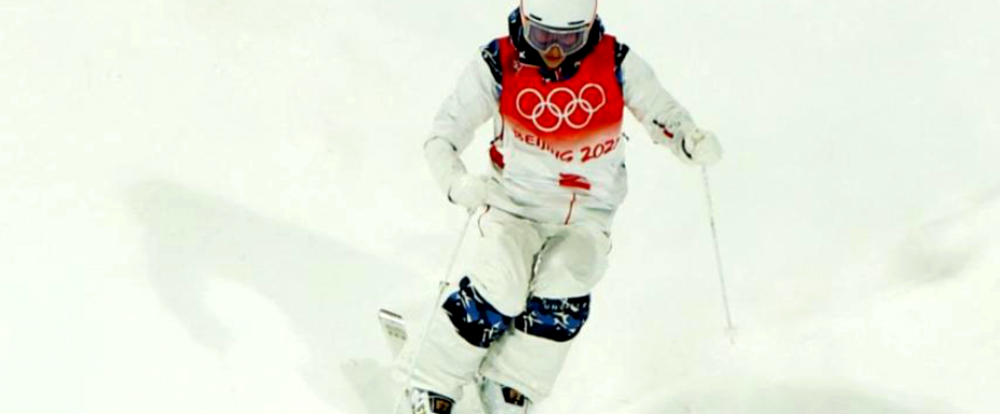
(476, 320)
(558, 320)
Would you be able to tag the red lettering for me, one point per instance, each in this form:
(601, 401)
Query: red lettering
(537, 142)
(565, 156)
(599, 150)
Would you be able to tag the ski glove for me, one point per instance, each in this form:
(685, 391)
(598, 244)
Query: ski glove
(468, 191)
(701, 147)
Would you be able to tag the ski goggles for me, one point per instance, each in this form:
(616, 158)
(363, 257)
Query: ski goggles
(542, 37)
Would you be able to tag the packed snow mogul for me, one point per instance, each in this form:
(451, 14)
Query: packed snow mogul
(556, 87)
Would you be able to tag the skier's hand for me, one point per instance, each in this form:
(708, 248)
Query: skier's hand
(701, 147)
(468, 191)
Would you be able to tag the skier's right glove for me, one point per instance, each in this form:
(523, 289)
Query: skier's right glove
(468, 191)
(701, 147)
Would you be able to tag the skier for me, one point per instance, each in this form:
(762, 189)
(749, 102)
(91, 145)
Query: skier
(556, 87)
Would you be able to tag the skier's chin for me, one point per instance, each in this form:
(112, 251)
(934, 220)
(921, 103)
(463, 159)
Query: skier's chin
(553, 57)
(553, 63)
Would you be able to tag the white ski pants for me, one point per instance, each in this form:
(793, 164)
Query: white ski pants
(524, 295)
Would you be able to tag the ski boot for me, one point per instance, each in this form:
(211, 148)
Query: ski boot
(500, 399)
(429, 402)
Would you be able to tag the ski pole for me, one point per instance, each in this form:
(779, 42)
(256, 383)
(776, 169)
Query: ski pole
(442, 288)
(730, 330)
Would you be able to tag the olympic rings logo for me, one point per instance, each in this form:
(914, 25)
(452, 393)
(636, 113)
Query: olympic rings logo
(563, 115)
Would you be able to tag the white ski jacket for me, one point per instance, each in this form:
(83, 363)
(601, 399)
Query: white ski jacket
(526, 181)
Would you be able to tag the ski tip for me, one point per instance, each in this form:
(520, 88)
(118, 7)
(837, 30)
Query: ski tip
(385, 313)
(394, 328)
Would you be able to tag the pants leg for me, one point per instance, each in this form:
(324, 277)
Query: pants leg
(530, 356)
(497, 270)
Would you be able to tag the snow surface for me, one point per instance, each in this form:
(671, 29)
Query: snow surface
(204, 203)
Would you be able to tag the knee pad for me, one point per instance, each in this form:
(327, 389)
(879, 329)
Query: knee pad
(558, 320)
(476, 320)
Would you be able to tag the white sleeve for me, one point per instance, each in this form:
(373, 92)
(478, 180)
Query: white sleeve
(665, 119)
(471, 103)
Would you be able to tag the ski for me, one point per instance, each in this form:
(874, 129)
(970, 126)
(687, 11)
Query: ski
(394, 328)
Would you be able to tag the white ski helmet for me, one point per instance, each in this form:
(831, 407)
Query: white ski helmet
(562, 23)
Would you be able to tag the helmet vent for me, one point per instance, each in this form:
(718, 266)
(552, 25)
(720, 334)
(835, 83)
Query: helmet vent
(534, 17)
(578, 22)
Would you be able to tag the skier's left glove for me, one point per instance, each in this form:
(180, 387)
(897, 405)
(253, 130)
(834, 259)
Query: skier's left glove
(701, 147)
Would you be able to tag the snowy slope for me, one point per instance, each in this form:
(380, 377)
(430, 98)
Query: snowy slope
(203, 203)
(925, 346)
